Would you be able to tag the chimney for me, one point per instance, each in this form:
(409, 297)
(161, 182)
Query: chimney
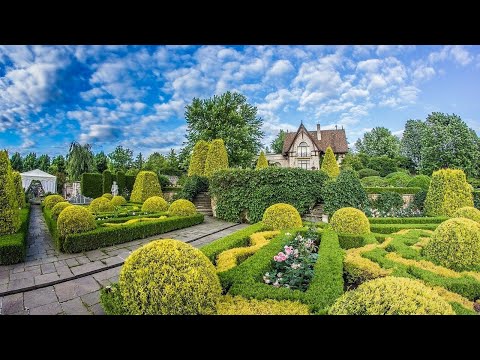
(319, 133)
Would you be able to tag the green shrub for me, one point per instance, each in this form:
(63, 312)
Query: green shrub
(169, 277)
(329, 164)
(13, 246)
(111, 300)
(121, 181)
(448, 192)
(238, 305)
(262, 161)
(383, 164)
(58, 208)
(164, 181)
(281, 216)
(130, 182)
(345, 191)
(100, 205)
(367, 173)
(398, 179)
(146, 185)
(52, 200)
(75, 219)
(388, 201)
(350, 221)
(154, 204)
(476, 199)
(91, 185)
(182, 207)
(391, 296)
(468, 212)
(107, 181)
(373, 181)
(400, 190)
(245, 194)
(197, 161)
(193, 186)
(392, 228)
(421, 181)
(410, 220)
(419, 200)
(217, 158)
(351, 241)
(107, 196)
(455, 244)
(118, 201)
(19, 192)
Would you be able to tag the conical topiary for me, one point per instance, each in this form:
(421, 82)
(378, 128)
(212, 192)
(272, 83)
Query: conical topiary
(9, 213)
(146, 185)
(197, 161)
(329, 164)
(20, 193)
(262, 161)
(217, 157)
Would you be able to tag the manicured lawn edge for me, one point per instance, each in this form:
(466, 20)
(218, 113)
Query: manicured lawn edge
(13, 247)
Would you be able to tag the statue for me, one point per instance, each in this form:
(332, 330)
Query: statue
(114, 189)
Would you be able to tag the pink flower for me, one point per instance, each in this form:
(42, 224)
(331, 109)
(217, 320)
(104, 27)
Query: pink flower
(280, 257)
(288, 249)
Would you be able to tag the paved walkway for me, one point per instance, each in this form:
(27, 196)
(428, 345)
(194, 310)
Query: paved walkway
(50, 282)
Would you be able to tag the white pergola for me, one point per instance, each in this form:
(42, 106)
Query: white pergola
(49, 182)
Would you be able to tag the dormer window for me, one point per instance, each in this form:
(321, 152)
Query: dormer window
(302, 150)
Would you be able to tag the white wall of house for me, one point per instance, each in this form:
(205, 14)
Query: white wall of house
(277, 160)
(308, 160)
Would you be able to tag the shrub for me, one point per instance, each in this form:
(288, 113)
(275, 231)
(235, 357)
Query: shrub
(75, 219)
(448, 192)
(107, 196)
(329, 163)
(238, 305)
(383, 164)
(455, 244)
(107, 181)
(391, 296)
(52, 200)
(262, 161)
(182, 207)
(421, 181)
(164, 181)
(155, 204)
(19, 192)
(111, 300)
(118, 201)
(101, 204)
(398, 179)
(419, 199)
(217, 157)
(367, 172)
(146, 185)
(476, 199)
(169, 277)
(58, 208)
(400, 190)
(13, 246)
(197, 161)
(350, 221)
(388, 201)
(91, 185)
(281, 216)
(192, 187)
(130, 182)
(121, 182)
(468, 212)
(345, 191)
(373, 181)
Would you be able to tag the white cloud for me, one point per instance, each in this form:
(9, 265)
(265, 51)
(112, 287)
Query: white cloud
(456, 53)
(103, 133)
(280, 67)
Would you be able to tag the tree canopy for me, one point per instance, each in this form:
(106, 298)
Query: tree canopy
(411, 144)
(277, 143)
(121, 158)
(79, 160)
(378, 142)
(101, 162)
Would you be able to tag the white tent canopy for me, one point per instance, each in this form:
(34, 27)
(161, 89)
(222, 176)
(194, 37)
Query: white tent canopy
(49, 182)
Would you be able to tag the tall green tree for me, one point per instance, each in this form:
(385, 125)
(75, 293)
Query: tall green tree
(80, 160)
(30, 162)
(378, 142)
(139, 162)
(173, 163)
(101, 162)
(329, 164)
(58, 163)
(17, 162)
(231, 118)
(262, 162)
(353, 161)
(449, 143)
(156, 162)
(198, 158)
(44, 162)
(412, 143)
(277, 143)
(9, 214)
(121, 158)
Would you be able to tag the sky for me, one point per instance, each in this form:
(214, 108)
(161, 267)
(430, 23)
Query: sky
(135, 96)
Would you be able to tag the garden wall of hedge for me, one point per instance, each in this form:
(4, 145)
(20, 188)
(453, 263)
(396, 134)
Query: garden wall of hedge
(13, 246)
(94, 185)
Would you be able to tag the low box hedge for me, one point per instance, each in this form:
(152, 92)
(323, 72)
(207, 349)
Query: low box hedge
(13, 246)
(400, 190)
(392, 228)
(347, 241)
(122, 219)
(410, 220)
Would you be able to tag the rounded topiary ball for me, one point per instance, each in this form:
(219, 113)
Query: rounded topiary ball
(58, 208)
(455, 244)
(169, 277)
(350, 221)
(52, 200)
(118, 201)
(182, 207)
(101, 204)
(108, 196)
(75, 219)
(155, 204)
(468, 212)
(391, 296)
(281, 216)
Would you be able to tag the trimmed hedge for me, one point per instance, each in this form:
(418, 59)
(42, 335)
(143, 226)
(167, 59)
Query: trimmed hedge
(13, 246)
(107, 181)
(350, 221)
(238, 305)
(400, 190)
(9, 215)
(373, 181)
(281, 216)
(345, 191)
(412, 220)
(129, 182)
(146, 185)
(421, 181)
(363, 173)
(121, 182)
(347, 241)
(197, 161)
(91, 185)
(217, 158)
(476, 199)
(398, 179)
(329, 164)
(392, 228)
(388, 201)
(17, 181)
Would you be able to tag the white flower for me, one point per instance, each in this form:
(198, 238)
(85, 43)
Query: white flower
(279, 275)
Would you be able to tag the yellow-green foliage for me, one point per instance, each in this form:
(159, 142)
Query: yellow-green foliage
(329, 163)
(229, 258)
(52, 200)
(154, 204)
(182, 207)
(281, 216)
(217, 157)
(108, 196)
(17, 180)
(448, 192)
(197, 161)
(391, 296)
(118, 200)
(75, 219)
(360, 269)
(468, 212)
(169, 277)
(9, 213)
(262, 161)
(57, 209)
(238, 305)
(101, 204)
(134, 221)
(350, 221)
(146, 185)
(455, 244)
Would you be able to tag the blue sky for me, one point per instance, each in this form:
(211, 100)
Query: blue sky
(135, 96)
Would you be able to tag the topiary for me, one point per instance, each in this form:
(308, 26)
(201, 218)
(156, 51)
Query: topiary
(419, 199)
(58, 208)
(197, 161)
(238, 305)
(455, 244)
(19, 192)
(398, 179)
(262, 161)
(9, 213)
(281, 216)
(118, 201)
(169, 277)
(217, 157)
(164, 181)
(107, 181)
(391, 296)
(388, 201)
(121, 182)
(146, 185)
(52, 200)
(75, 219)
(101, 204)
(373, 181)
(468, 212)
(182, 207)
(448, 192)
(367, 172)
(329, 163)
(107, 196)
(154, 204)
(350, 221)
(421, 181)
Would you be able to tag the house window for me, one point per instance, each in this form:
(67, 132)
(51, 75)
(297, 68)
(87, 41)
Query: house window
(302, 150)
(304, 164)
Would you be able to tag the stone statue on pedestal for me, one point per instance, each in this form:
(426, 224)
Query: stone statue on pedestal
(114, 189)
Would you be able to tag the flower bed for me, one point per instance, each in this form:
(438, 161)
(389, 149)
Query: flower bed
(13, 246)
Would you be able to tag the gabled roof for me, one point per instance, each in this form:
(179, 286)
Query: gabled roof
(38, 173)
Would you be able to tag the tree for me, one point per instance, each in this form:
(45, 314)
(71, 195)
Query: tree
(411, 144)
(139, 162)
(156, 162)
(449, 143)
(58, 164)
(173, 163)
(17, 162)
(228, 117)
(217, 158)
(9, 214)
(329, 164)
(19, 192)
(44, 162)
(197, 161)
(30, 162)
(101, 162)
(121, 158)
(380, 141)
(80, 160)
(352, 161)
(277, 143)
(262, 161)
(383, 164)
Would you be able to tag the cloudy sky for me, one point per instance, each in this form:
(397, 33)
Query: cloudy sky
(136, 95)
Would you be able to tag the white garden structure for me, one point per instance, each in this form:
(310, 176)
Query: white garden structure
(49, 182)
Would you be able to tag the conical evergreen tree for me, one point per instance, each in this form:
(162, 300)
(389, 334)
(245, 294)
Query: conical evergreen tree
(197, 161)
(9, 214)
(329, 164)
(217, 157)
(262, 161)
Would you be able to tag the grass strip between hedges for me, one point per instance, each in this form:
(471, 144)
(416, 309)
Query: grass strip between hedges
(13, 246)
